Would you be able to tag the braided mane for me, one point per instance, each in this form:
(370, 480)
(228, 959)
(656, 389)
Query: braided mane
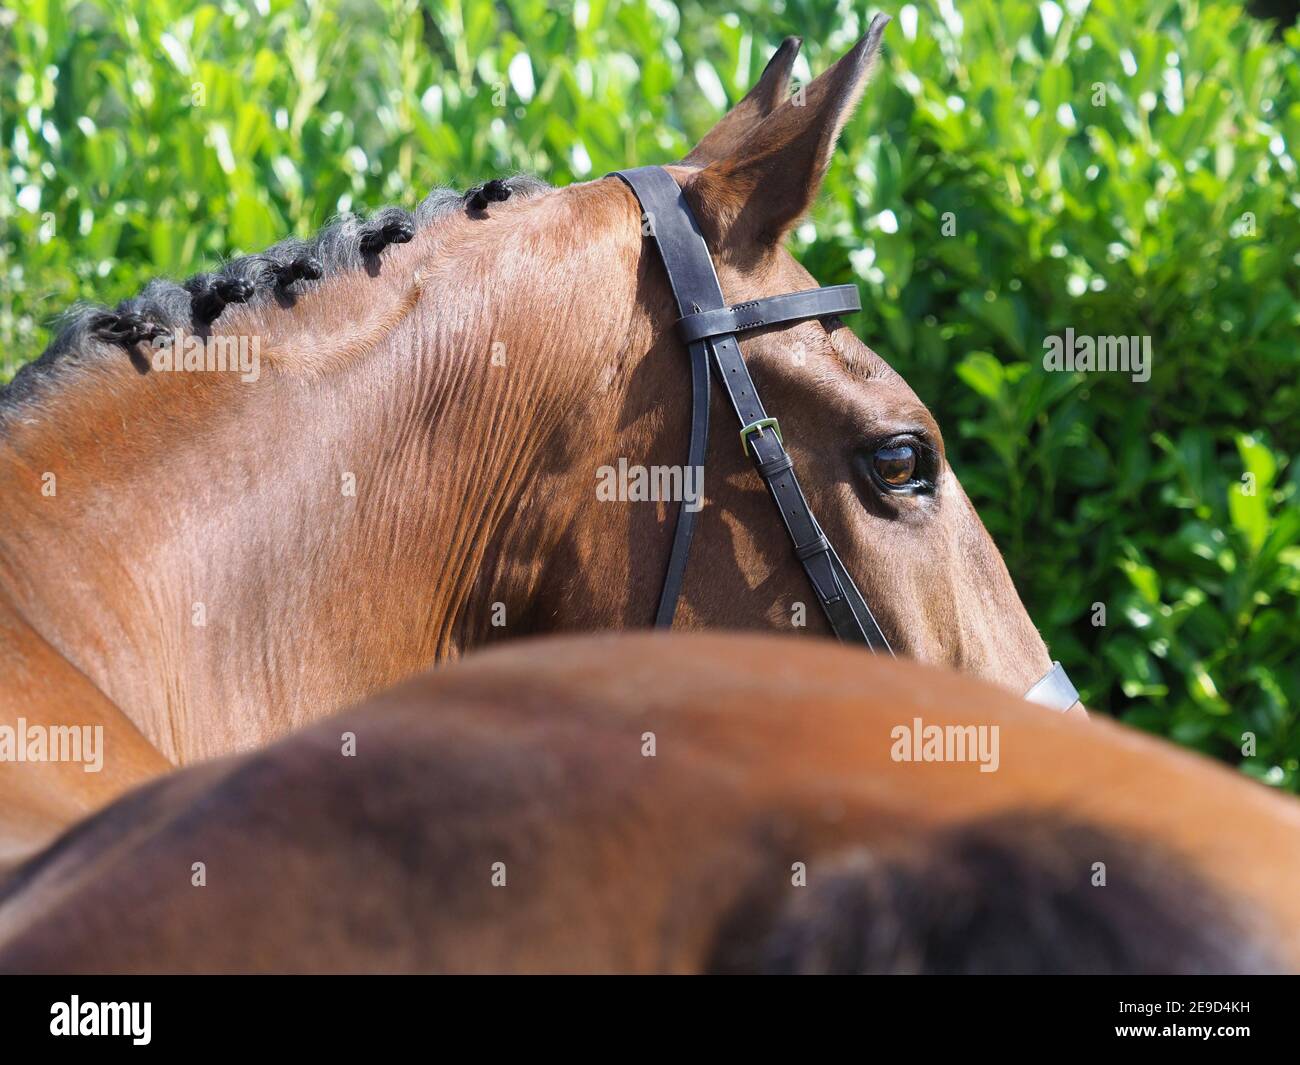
(279, 273)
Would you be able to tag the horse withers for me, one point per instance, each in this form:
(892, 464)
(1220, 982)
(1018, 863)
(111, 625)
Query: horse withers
(677, 803)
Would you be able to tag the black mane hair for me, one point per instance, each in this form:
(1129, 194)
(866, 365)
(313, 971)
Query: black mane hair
(89, 331)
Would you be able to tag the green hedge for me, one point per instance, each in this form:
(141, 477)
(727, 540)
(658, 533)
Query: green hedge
(1017, 169)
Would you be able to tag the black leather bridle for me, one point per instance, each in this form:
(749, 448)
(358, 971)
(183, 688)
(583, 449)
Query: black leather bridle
(709, 329)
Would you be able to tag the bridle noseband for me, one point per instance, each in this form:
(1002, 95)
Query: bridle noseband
(709, 328)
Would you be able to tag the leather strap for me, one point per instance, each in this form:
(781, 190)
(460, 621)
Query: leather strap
(845, 609)
(694, 283)
(672, 228)
(771, 310)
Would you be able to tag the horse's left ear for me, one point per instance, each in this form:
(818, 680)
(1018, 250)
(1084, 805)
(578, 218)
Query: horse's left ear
(771, 176)
(770, 90)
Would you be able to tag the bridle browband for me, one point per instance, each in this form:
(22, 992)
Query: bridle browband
(709, 328)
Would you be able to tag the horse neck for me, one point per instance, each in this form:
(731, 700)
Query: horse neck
(192, 566)
(228, 560)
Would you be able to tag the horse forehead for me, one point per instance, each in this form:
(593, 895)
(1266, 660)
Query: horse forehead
(872, 392)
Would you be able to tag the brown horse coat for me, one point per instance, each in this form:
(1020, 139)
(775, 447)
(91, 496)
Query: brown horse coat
(650, 803)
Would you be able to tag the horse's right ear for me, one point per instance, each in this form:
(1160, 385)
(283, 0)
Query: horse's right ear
(731, 130)
(755, 192)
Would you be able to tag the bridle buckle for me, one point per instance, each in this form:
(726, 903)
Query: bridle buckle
(758, 427)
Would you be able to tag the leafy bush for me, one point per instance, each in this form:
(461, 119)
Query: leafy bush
(1017, 169)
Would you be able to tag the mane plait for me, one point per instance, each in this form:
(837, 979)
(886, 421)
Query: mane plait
(275, 270)
(210, 294)
(392, 225)
(348, 242)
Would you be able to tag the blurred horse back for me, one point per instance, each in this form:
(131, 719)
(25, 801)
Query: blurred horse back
(680, 804)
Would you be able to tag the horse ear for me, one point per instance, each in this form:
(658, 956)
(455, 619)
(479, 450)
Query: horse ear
(761, 187)
(732, 129)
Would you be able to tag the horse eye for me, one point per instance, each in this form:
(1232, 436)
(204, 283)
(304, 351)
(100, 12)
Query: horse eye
(895, 465)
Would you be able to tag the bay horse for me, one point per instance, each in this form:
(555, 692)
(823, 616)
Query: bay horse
(397, 464)
(677, 803)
